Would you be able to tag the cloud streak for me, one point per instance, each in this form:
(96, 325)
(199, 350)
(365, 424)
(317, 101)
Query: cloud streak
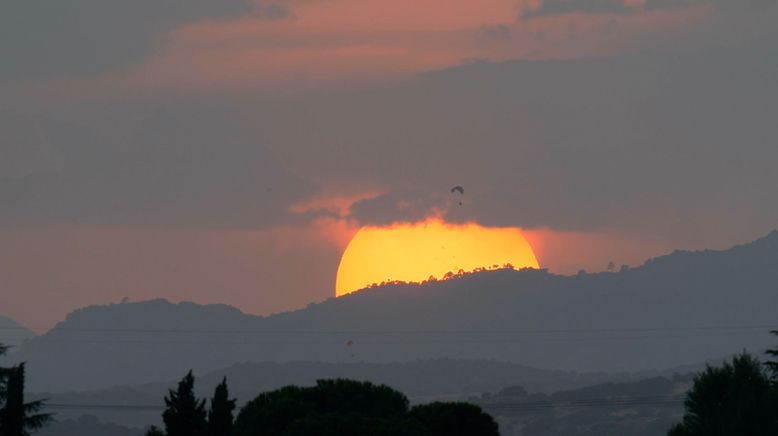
(294, 45)
(92, 37)
(169, 164)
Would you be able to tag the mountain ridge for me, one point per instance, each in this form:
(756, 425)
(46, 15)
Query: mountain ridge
(13, 333)
(673, 310)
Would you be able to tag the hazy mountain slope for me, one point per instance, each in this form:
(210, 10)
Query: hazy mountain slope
(647, 407)
(133, 343)
(677, 309)
(86, 425)
(12, 333)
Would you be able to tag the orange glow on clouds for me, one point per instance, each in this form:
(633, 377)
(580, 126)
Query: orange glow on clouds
(431, 249)
(342, 41)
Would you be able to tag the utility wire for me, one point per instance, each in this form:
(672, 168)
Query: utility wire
(414, 331)
(506, 406)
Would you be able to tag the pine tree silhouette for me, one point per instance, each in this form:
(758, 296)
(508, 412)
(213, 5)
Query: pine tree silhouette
(220, 417)
(18, 418)
(184, 415)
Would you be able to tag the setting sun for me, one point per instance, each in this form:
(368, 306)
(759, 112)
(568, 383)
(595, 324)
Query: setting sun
(417, 252)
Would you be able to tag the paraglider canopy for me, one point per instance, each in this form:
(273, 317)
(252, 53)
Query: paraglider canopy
(460, 190)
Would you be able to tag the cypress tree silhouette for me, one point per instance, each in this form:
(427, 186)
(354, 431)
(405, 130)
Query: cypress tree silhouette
(220, 417)
(184, 415)
(18, 418)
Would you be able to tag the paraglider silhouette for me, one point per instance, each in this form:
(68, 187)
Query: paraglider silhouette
(460, 190)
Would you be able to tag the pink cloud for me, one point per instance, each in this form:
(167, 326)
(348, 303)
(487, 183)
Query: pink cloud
(337, 41)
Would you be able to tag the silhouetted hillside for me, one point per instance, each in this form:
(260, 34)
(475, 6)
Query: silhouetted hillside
(677, 309)
(12, 333)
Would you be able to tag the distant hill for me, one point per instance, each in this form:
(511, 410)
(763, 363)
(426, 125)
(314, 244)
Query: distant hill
(647, 407)
(86, 425)
(677, 309)
(12, 333)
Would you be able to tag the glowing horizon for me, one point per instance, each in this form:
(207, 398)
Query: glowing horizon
(418, 252)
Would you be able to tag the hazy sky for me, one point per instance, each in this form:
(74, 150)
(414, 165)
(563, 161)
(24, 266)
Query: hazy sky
(226, 151)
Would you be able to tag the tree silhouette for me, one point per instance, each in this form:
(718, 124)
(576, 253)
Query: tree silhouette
(734, 399)
(454, 419)
(350, 408)
(184, 414)
(154, 431)
(332, 407)
(18, 418)
(3, 374)
(773, 365)
(220, 418)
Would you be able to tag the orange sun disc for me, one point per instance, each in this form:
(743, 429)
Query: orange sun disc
(417, 252)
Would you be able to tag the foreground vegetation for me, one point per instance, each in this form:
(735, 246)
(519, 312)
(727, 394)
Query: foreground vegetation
(331, 407)
(737, 398)
(17, 417)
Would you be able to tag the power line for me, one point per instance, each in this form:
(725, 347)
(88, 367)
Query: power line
(428, 340)
(307, 337)
(590, 403)
(497, 407)
(413, 331)
(99, 407)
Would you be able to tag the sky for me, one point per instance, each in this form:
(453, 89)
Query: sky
(226, 152)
